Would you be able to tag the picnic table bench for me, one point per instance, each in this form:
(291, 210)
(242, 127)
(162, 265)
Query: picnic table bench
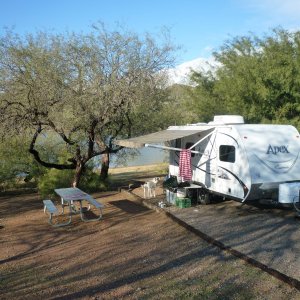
(95, 203)
(52, 209)
(68, 197)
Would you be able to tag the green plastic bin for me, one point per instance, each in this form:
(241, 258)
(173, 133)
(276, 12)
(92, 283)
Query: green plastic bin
(183, 202)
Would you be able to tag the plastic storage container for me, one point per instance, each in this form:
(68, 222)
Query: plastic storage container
(288, 192)
(171, 196)
(183, 202)
(181, 193)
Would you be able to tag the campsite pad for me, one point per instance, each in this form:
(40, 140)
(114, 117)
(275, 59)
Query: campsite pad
(132, 253)
(268, 235)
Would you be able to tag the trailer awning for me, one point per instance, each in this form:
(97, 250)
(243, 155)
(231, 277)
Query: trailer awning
(156, 138)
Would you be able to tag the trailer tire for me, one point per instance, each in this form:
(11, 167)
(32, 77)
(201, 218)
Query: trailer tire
(296, 204)
(204, 197)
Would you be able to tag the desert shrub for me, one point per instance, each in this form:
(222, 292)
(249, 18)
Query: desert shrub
(54, 179)
(91, 182)
(17, 184)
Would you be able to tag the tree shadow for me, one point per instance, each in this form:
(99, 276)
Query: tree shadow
(269, 235)
(129, 206)
(17, 204)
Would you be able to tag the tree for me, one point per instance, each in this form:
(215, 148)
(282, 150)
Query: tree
(84, 89)
(258, 78)
(204, 102)
(16, 163)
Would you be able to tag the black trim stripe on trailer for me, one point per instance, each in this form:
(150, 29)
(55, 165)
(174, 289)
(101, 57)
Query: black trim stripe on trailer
(246, 190)
(230, 137)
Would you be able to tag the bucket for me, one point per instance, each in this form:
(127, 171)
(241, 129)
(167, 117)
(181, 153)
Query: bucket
(181, 193)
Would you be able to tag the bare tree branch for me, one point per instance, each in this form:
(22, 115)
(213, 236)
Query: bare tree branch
(37, 157)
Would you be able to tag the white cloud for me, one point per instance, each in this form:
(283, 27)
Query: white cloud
(208, 49)
(283, 8)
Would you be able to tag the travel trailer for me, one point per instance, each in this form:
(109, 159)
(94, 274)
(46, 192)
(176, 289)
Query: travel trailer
(233, 159)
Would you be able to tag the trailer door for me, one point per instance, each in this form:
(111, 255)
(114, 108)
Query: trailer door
(228, 179)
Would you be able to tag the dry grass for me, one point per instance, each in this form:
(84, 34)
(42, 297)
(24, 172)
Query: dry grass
(156, 168)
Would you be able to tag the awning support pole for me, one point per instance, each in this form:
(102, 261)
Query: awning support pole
(168, 148)
(201, 140)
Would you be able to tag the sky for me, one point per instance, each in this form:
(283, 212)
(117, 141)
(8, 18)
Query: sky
(199, 27)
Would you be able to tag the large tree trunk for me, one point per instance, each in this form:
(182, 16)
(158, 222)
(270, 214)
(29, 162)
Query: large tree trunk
(104, 166)
(78, 173)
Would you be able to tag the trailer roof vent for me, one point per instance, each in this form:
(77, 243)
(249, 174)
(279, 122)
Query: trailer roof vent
(228, 119)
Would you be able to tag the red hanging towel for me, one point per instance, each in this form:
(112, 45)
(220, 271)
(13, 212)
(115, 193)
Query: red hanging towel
(185, 169)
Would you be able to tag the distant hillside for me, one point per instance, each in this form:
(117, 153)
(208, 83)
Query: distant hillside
(180, 74)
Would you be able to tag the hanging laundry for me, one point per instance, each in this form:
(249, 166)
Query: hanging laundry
(185, 169)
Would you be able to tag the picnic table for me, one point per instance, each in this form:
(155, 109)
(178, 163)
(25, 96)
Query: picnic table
(69, 196)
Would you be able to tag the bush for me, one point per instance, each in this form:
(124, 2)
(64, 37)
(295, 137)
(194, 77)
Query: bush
(91, 182)
(54, 179)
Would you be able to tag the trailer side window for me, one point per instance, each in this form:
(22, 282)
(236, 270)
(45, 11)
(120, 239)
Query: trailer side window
(227, 153)
(178, 143)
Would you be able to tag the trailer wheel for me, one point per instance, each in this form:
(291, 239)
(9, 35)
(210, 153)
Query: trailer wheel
(204, 197)
(296, 204)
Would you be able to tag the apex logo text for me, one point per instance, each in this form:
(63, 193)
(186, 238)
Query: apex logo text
(277, 149)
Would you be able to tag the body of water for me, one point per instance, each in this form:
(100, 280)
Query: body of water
(147, 156)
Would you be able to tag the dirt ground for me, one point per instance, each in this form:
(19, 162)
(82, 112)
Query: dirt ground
(132, 253)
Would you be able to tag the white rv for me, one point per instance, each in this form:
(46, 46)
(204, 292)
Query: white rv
(233, 159)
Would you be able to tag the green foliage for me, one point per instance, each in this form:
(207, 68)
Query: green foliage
(54, 179)
(91, 182)
(204, 101)
(258, 78)
(86, 89)
(17, 166)
(159, 109)
(175, 112)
